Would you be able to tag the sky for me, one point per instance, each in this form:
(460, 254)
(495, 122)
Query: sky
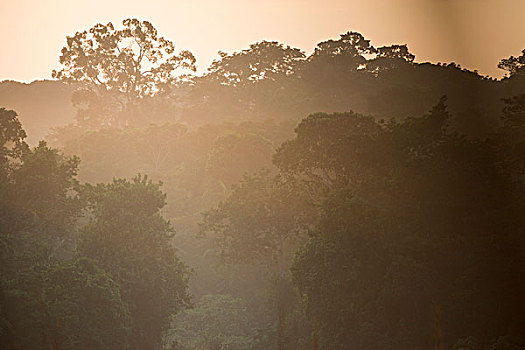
(473, 33)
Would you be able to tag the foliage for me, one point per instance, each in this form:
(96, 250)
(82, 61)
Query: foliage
(514, 111)
(216, 322)
(65, 305)
(39, 195)
(411, 205)
(260, 222)
(11, 137)
(404, 216)
(45, 301)
(513, 65)
(116, 290)
(234, 155)
(351, 46)
(129, 238)
(263, 60)
(117, 69)
(327, 145)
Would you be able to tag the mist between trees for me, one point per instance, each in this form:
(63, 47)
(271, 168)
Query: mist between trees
(354, 198)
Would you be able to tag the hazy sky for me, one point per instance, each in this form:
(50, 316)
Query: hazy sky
(473, 33)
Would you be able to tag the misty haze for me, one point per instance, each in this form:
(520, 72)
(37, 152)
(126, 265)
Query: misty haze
(348, 195)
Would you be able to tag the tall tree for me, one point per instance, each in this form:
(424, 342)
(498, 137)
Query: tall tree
(117, 68)
(129, 238)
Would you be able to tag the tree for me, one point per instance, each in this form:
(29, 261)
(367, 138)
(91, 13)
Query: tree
(407, 204)
(12, 149)
(129, 238)
(390, 57)
(512, 134)
(234, 155)
(12, 144)
(513, 65)
(335, 57)
(47, 297)
(395, 51)
(265, 60)
(326, 146)
(216, 322)
(262, 222)
(514, 112)
(64, 305)
(38, 188)
(250, 83)
(350, 44)
(117, 68)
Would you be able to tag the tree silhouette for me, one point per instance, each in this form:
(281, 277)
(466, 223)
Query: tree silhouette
(513, 65)
(263, 60)
(118, 67)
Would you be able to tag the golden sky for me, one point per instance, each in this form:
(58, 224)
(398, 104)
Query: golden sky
(473, 33)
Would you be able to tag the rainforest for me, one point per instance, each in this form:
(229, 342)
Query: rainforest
(352, 197)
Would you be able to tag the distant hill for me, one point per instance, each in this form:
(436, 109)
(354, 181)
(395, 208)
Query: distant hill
(40, 105)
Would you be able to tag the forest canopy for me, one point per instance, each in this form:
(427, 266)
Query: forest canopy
(352, 198)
